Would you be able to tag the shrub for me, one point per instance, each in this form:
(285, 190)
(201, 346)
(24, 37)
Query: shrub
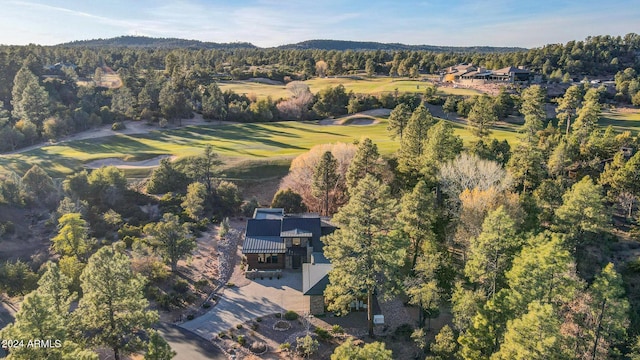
(254, 326)
(224, 227)
(259, 319)
(181, 286)
(291, 315)
(163, 123)
(222, 334)
(230, 284)
(337, 329)
(277, 315)
(404, 330)
(190, 317)
(206, 305)
(9, 227)
(239, 326)
(241, 340)
(200, 284)
(633, 266)
(118, 126)
(285, 346)
(323, 334)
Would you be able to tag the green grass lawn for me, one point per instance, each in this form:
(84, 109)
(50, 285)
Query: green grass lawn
(622, 121)
(249, 151)
(246, 149)
(361, 85)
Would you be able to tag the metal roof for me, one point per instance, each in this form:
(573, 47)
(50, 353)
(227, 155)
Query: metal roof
(263, 227)
(263, 245)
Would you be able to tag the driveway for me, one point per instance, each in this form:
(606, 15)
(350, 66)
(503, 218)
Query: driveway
(239, 304)
(189, 346)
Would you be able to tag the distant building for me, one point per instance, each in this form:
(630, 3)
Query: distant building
(468, 74)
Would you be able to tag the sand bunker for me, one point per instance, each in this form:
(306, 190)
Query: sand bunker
(361, 118)
(352, 120)
(121, 164)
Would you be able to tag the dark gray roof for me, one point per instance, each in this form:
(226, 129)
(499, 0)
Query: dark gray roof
(263, 245)
(263, 227)
(319, 287)
(319, 258)
(309, 224)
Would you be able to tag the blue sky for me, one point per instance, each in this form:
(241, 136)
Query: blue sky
(267, 23)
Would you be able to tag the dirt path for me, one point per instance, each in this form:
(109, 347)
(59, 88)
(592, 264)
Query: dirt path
(132, 128)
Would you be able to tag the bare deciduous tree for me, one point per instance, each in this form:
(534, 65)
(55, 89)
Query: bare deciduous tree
(300, 175)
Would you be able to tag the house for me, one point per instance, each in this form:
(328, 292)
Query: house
(474, 75)
(274, 240)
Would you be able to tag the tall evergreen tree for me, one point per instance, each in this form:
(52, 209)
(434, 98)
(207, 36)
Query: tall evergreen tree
(365, 161)
(490, 255)
(398, 119)
(610, 309)
(325, 179)
(412, 144)
(73, 236)
(568, 105)
(582, 209)
(364, 254)
(113, 308)
(482, 116)
(534, 113)
(417, 218)
(533, 336)
(172, 240)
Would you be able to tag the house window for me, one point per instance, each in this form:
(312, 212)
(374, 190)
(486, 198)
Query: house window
(297, 241)
(267, 258)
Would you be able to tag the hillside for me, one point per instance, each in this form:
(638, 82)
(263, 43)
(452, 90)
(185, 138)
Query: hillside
(370, 45)
(174, 43)
(149, 42)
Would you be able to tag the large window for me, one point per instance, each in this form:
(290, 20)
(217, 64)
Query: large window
(267, 258)
(296, 241)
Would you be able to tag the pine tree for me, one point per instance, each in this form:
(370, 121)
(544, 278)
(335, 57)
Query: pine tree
(172, 240)
(73, 236)
(568, 105)
(544, 271)
(440, 146)
(610, 309)
(490, 255)
(398, 119)
(193, 203)
(417, 218)
(167, 178)
(363, 251)
(534, 113)
(582, 209)
(325, 179)
(350, 351)
(113, 308)
(365, 161)
(289, 200)
(158, 349)
(412, 144)
(534, 336)
(482, 116)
